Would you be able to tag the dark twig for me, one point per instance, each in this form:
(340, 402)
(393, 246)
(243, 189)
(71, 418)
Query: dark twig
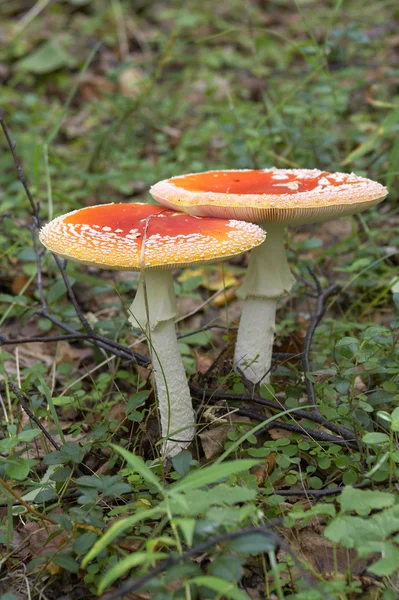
(133, 584)
(322, 296)
(320, 493)
(25, 405)
(72, 297)
(313, 416)
(312, 433)
(35, 207)
(55, 338)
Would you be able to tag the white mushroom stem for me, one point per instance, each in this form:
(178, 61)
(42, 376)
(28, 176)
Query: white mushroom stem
(154, 310)
(268, 277)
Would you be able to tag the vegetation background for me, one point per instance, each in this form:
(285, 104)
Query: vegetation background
(105, 98)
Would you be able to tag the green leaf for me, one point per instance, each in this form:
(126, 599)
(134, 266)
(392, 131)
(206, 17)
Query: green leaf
(17, 468)
(356, 532)
(347, 341)
(73, 452)
(227, 567)
(182, 462)
(195, 502)
(375, 438)
(222, 587)
(49, 57)
(117, 528)
(136, 400)
(364, 501)
(187, 527)
(28, 435)
(344, 530)
(8, 443)
(66, 562)
(56, 291)
(137, 464)
(389, 563)
(395, 420)
(211, 474)
(252, 543)
(84, 542)
(127, 563)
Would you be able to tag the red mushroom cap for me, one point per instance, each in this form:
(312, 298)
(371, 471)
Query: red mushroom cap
(112, 236)
(289, 196)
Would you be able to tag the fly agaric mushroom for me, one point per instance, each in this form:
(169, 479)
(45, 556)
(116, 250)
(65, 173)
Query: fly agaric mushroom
(153, 240)
(273, 198)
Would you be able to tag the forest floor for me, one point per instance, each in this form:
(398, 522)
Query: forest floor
(105, 98)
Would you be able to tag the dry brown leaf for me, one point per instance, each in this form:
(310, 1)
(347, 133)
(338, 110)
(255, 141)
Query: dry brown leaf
(91, 86)
(212, 280)
(203, 362)
(226, 296)
(18, 284)
(131, 82)
(213, 439)
(263, 470)
(276, 433)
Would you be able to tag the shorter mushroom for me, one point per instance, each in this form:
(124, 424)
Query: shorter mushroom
(153, 240)
(274, 198)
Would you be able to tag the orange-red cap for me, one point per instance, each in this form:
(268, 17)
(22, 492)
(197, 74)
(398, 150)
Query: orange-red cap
(111, 236)
(289, 196)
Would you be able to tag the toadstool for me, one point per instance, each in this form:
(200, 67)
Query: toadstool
(153, 240)
(274, 198)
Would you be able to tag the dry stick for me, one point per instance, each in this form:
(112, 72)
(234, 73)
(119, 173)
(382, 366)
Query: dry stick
(21, 176)
(320, 493)
(23, 402)
(72, 298)
(317, 435)
(133, 584)
(43, 339)
(322, 296)
(29, 508)
(304, 414)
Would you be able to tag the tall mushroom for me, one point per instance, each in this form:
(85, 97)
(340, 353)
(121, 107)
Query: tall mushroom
(153, 240)
(274, 198)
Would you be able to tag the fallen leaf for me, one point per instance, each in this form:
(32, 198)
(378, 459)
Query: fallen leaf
(226, 296)
(131, 82)
(213, 439)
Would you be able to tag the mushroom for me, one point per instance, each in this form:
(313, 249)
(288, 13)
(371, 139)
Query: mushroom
(273, 198)
(153, 240)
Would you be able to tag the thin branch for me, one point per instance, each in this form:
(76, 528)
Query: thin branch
(29, 508)
(316, 318)
(322, 296)
(314, 416)
(35, 207)
(133, 584)
(312, 433)
(24, 403)
(320, 493)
